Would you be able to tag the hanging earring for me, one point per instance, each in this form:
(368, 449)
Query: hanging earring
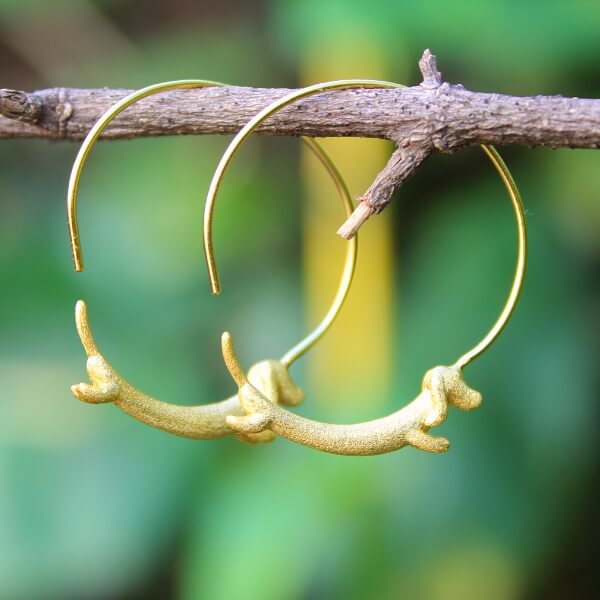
(442, 386)
(271, 377)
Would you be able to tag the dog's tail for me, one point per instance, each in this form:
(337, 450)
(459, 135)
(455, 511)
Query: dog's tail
(83, 329)
(231, 360)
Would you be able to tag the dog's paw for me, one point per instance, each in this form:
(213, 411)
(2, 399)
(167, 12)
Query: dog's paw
(427, 442)
(264, 437)
(99, 393)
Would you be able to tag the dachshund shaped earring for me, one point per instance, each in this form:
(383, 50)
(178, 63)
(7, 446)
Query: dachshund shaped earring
(271, 377)
(442, 386)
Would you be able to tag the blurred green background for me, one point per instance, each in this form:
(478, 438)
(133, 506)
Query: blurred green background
(96, 505)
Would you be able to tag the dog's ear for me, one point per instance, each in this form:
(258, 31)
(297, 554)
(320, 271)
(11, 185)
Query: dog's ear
(459, 393)
(289, 393)
(434, 383)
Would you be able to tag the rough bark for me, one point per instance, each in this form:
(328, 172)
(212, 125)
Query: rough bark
(433, 116)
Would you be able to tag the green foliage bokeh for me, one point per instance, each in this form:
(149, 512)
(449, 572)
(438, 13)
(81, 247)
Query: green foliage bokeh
(94, 504)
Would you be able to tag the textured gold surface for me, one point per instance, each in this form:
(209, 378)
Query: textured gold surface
(203, 422)
(318, 88)
(270, 376)
(255, 414)
(442, 386)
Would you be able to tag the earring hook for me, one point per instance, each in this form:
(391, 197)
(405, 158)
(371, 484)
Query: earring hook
(442, 386)
(226, 159)
(349, 263)
(271, 377)
(490, 151)
(94, 134)
(515, 290)
(241, 136)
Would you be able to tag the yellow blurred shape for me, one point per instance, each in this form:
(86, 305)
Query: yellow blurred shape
(355, 357)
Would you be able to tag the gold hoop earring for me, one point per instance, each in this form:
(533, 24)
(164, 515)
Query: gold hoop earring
(271, 377)
(441, 385)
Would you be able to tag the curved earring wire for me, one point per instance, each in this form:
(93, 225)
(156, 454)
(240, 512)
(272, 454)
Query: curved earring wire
(442, 386)
(94, 134)
(490, 151)
(341, 294)
(206, 421)
(241, 136)
(213, 274)
(519, 276)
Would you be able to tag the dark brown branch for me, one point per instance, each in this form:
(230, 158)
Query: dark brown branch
(401, 165)
(433, 116)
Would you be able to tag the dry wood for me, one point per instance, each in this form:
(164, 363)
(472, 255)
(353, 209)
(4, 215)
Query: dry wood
(433, 116)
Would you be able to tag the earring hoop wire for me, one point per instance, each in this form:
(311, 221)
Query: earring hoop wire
(351, 249)
(490, 151)
(92, 137)
(349, 263)
(521, 265)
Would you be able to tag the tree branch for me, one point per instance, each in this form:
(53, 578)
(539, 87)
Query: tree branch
(433, 116)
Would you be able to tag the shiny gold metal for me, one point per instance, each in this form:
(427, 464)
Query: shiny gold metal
(271, 377)
(519, 276)
(204, 422)
(293, 354)
(490, 151)
(94, 134)
(244, 133)
(442, 386)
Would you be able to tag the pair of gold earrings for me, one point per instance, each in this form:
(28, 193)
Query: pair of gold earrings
(256, 413)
